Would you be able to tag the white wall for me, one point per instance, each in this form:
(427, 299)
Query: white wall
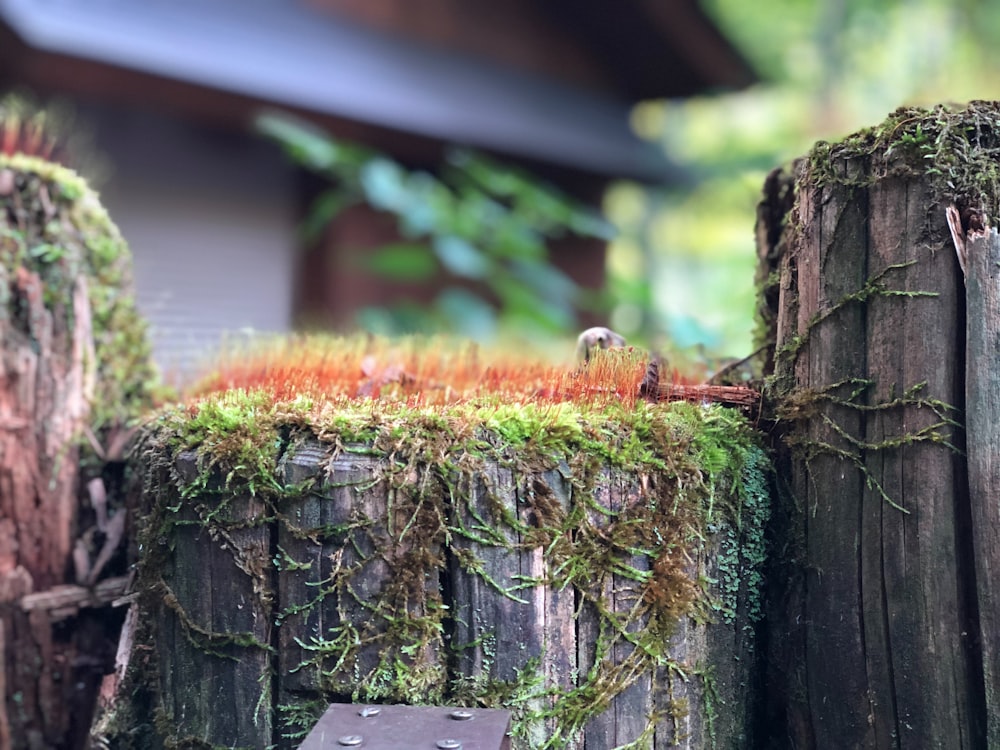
(210, 218)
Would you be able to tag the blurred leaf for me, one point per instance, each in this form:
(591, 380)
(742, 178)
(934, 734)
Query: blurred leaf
(305, 143)
(479, 215)
(515, 239)
(323, 210)
(401, 319)
(478, 220)
(545, 279)
(383, 183)
(592, 225)
(461, 258)
(427, 204)
(522, 303)
(403, 262)
(47, 253)
(377, 320)
(471, 315)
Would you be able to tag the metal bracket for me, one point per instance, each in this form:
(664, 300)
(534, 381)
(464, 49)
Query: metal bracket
(349, 725)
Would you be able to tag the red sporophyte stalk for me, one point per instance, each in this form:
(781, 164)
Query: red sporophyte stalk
(51, 132)
(429, 371)
(26, 136)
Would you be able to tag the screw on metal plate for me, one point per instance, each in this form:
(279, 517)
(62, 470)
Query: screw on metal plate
(395, 727)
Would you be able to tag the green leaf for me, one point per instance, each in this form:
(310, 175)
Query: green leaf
(590, 224)
(306, 144)
(514, 239)
(461, 257)
(548, 281)
(522, 304)
(47, 253)
(402, 319)
(383, 181)
(403, 262)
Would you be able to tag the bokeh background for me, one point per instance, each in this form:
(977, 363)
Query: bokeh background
(827, 69)
(507, 172)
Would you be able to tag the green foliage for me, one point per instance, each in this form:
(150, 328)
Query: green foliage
(482, 226)
(687, 255)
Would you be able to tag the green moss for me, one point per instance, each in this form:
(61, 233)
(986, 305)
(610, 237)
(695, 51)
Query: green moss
(696, 471)
(56, 227)
(956, 148)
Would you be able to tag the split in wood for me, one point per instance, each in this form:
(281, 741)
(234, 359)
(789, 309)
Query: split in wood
(965, 227)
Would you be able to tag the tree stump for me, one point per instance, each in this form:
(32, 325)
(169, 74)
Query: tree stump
(882, 607)
(595, 570)
(73, 358)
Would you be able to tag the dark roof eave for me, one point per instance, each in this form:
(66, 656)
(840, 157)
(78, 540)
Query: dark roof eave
(387, 82)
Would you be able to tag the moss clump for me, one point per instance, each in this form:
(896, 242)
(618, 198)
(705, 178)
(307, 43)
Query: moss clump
(55, 226)
(956, 148)
(620, 499)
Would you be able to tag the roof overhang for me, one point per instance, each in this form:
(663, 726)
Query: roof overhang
(285, 54)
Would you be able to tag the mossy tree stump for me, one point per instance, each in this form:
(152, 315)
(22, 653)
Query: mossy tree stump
(594, 569)
(883, 622)
(73, 359)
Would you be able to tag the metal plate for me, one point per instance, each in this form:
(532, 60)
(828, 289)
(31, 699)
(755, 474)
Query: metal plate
(368, 727)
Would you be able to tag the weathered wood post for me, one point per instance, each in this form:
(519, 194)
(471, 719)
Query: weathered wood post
(73, 360)
(883, 613)
(592, 566)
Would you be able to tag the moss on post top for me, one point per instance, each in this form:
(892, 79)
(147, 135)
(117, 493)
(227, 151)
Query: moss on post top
(428, 399)
(447, 417)
(955, 148)
(53, 225)
(247, 430)
(438, 472)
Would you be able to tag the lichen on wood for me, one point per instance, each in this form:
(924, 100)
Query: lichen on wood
(547, 557)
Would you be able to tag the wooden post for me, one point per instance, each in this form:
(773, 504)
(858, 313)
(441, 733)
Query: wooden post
(875, 634)
(591, 600)
(217, 680)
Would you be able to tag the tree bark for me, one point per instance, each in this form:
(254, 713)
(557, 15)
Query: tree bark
(73, 361)
(44, 400)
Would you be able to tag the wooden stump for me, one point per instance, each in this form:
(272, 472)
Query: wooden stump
(73, 359)
(877, 638)
(603, 605)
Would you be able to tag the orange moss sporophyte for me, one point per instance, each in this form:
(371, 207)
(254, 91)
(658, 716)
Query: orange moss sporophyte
(49, 132)
(419, 372)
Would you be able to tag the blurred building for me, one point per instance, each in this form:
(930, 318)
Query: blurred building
(211, 211)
